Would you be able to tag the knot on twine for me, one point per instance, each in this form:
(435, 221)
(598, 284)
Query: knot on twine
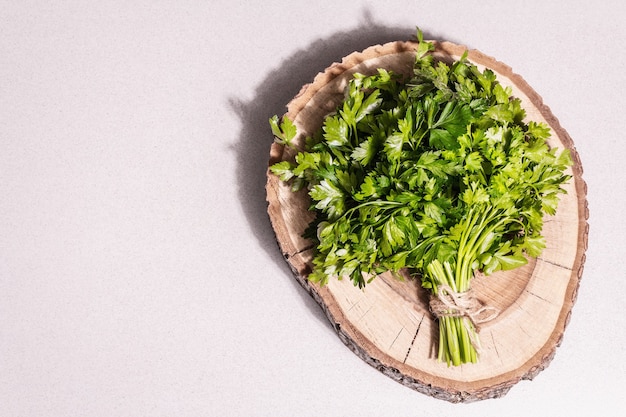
(449, 303)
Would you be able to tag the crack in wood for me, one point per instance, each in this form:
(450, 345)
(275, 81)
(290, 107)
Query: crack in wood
(414, 338)
(558, 265)
(495, 347)
(298, 252)
(523, 330)
(365, 313)
(538, 296)
(396, 338)
(352, 305)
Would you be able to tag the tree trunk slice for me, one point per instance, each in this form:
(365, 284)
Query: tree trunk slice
(388, 323)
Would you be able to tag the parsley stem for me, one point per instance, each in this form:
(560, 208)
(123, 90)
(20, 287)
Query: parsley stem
(380, 203)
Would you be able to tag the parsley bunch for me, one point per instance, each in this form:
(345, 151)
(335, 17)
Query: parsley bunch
(437, 173)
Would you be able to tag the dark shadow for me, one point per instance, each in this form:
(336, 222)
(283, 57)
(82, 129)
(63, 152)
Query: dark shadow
(271, 97)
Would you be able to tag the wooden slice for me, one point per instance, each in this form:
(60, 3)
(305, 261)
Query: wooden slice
(388, 324)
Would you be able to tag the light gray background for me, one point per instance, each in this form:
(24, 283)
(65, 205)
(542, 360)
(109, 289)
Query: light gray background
(138, 270)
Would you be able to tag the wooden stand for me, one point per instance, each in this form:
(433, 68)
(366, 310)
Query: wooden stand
(388, 324)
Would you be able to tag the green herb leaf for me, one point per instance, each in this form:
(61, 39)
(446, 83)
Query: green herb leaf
(284, 130)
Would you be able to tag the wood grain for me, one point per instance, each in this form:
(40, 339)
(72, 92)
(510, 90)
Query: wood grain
(388, 323)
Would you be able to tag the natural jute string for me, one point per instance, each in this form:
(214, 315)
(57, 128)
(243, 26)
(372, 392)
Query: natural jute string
(461, 304)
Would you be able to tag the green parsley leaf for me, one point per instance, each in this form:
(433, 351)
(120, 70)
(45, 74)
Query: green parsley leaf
(284, 130)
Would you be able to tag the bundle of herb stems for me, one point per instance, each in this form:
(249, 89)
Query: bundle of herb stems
(437, 173)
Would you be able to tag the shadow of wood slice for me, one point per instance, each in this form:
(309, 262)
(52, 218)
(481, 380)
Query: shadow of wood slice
(388, 323)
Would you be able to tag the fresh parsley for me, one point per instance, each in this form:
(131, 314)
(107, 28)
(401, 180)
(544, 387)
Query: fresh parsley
(437, 173)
